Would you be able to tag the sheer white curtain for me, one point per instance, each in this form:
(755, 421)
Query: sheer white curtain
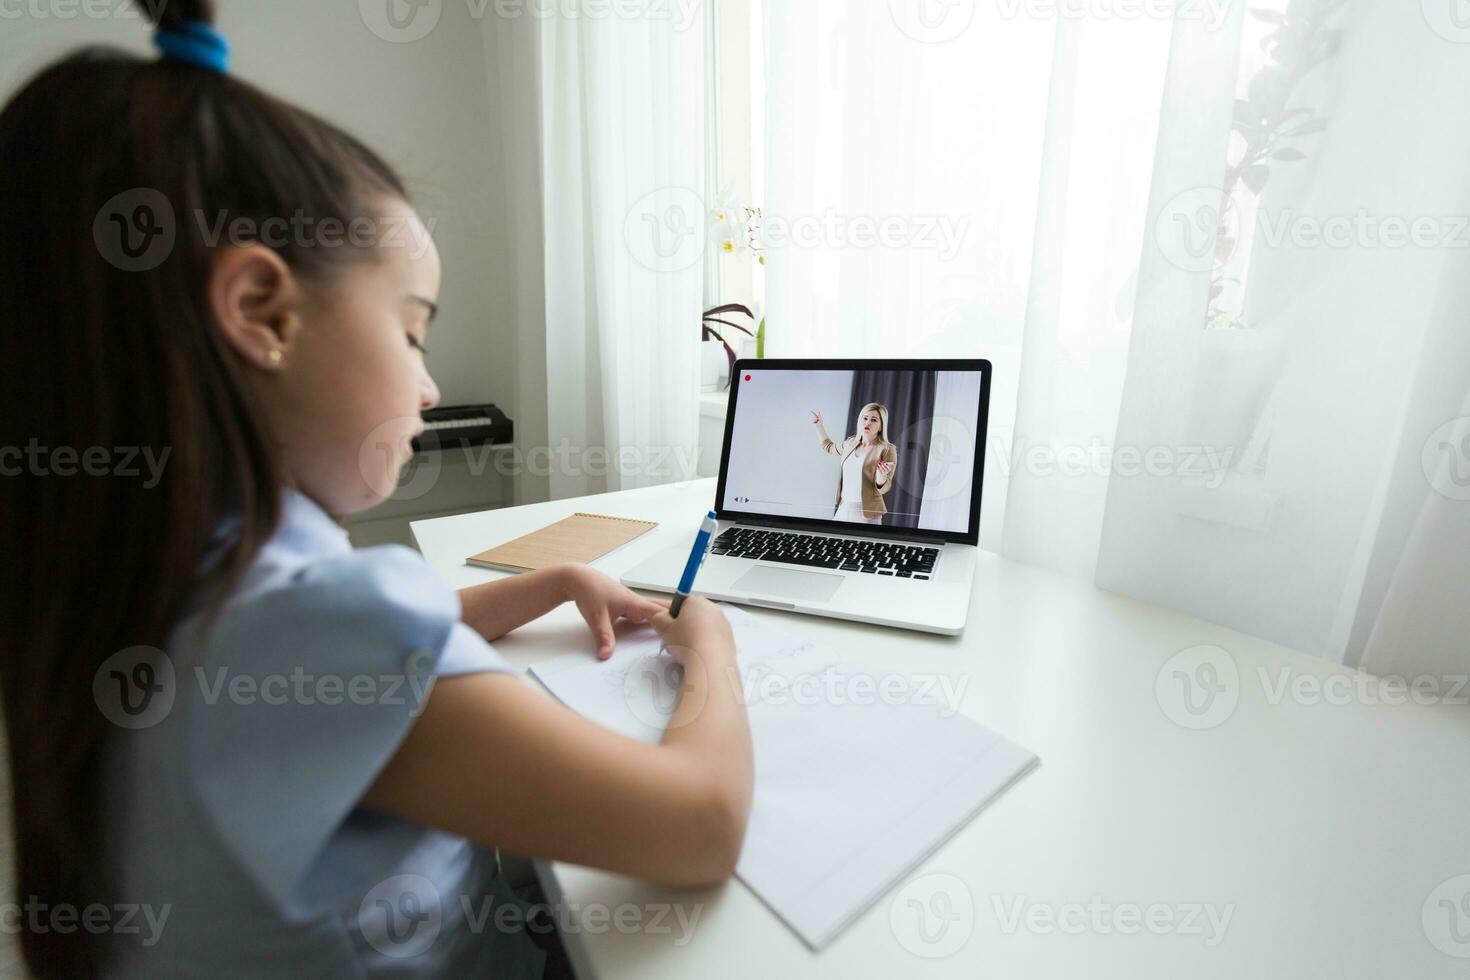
(868, 125)
(1352, 286)
(604, 161)
(1216, 376)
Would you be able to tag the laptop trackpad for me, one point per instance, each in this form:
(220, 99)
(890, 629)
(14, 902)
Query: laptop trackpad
(789, 582)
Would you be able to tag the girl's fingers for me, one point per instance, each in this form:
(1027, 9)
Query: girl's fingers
(641, 610)
(601, 623)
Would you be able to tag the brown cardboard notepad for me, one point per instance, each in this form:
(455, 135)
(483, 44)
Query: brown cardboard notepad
(580, 538)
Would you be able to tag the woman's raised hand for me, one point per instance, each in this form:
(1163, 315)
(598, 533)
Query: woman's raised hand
(816, 418)
(885, 470)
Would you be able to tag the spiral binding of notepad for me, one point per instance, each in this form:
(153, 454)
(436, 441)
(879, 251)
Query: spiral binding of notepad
(607, 517)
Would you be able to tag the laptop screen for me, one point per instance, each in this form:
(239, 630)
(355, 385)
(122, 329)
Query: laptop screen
(892, 448)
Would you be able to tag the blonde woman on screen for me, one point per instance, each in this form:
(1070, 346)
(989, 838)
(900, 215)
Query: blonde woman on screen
(868, 461)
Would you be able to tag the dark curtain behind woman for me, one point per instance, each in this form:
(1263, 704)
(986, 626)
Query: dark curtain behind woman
(909, 396)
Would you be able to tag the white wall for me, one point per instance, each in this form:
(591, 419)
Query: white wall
(422, 105)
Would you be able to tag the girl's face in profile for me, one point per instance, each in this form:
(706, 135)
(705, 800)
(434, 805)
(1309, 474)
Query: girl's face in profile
(350, 400)
(871, 425)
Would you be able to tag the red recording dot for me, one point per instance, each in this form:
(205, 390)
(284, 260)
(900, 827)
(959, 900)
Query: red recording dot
(747, 377)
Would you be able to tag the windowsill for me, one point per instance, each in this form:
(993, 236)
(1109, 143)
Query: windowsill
(1241, 502)
(712, 404)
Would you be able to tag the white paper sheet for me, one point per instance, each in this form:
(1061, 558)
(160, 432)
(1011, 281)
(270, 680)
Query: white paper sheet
(858, 776)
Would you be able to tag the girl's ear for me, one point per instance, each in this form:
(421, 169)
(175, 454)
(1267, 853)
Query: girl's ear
(256, 302)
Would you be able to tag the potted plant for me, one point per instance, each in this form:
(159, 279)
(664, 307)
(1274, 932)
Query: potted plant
(716, 347)
(736, 230)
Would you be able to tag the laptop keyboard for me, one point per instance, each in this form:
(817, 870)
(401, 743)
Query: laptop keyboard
(816, 551)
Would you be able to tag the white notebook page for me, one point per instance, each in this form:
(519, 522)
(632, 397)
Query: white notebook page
(858, 777)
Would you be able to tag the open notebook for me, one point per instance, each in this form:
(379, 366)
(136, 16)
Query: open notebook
(853, 788)
(581, 538)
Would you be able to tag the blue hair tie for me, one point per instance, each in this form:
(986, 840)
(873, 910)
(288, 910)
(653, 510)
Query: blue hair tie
(195, 43)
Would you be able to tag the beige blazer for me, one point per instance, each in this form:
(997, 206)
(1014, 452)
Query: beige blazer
(878, 452)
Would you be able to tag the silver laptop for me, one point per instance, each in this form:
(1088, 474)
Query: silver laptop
(848, 488)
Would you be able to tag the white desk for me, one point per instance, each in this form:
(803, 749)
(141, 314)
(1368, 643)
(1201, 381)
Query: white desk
(1325, 825)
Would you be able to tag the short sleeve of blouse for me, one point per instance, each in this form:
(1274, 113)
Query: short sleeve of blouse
(302, 693)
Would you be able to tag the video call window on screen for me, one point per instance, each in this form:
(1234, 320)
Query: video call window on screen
(893, 448)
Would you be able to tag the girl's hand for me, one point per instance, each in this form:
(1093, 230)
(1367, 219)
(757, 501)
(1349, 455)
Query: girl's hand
(816, 419)
(603, 601)
(701, 626)
(884, 471)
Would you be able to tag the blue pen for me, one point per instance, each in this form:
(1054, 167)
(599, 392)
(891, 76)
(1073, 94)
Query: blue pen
(696, 558)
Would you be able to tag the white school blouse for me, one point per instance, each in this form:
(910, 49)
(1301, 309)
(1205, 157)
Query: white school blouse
(852, 476)
(234, 817)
